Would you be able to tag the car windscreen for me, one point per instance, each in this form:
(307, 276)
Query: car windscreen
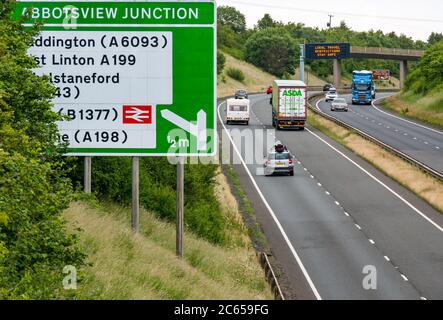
(332, 92)
(362, 87)
(340, 100)
(279, 156)
(238, 108)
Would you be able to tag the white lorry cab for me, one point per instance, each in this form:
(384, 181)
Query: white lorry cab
(237, 110)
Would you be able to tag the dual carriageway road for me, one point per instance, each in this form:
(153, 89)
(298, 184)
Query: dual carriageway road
(339, 217)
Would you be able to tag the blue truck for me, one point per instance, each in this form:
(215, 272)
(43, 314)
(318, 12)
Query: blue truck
(363, 89)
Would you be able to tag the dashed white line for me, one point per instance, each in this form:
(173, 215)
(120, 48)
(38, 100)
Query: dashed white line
(404, 277)
(387, 258)
(357, 226)
(337, 203)
(327, 192)
(312, 177)
(426, 142)
(319, 184)
(391, 115)
(371, 241)
(406, 202)
(346, 214)
(423, 298)
(271, 212)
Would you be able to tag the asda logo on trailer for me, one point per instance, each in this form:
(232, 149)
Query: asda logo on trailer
(292, 93)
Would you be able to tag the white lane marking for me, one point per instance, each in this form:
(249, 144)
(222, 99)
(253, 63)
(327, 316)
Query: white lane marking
(426, 142)
(437, 147)
(346, 214)
(377, 180)
(358, 227)
(404, 277)
(337, 203)
(414, 138)
(312, 177)
(387, 258)
(371, 241)
(271, 212)
(423, 298)
(408, 121)
(327, 192)
(319, 184)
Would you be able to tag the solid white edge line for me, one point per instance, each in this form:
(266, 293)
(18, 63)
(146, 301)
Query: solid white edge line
(377, 180)
(288, 242)
(408, 121)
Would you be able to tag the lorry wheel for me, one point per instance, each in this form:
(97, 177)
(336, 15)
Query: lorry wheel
(302, 128)
(247, 122)
(291, 173)
(227, 121)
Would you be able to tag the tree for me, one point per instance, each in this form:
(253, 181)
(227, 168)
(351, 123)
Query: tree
(428, 75)
(34, 243)
(231, 17)
(266, 22)
(435, 37)
(273, 50)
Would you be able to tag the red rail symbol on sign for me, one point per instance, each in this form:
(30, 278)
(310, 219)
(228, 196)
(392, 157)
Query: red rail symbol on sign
(137, 114)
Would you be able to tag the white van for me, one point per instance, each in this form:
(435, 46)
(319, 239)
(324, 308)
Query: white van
(237, 110)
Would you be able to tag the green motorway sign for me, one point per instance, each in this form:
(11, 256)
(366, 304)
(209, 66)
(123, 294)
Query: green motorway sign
(134, 77)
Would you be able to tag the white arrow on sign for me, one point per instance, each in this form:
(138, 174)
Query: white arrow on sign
(198, 130)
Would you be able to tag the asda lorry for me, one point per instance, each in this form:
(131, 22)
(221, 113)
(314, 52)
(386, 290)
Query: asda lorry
(289, 99)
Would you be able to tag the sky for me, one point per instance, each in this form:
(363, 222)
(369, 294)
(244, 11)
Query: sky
(416, 19)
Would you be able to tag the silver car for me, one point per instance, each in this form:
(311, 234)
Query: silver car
(331, 95)
(339, 104)
(279, 162)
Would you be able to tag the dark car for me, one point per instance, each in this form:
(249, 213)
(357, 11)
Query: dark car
(241, 94)
(269, 90)
(327, 86)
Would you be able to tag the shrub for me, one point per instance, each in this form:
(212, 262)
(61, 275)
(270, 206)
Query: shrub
(221, 60)
(235, 74)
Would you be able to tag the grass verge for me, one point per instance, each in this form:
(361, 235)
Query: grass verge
(425, 186)
(428, 109)
(144, 266)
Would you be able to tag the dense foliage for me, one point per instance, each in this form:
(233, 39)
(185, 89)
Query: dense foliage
(34, 245)
(273, 50)
(231, 17)
(111, 181)
(236, 43)
(428, 75)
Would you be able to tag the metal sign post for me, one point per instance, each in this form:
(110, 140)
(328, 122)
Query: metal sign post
(180, 207)
(87, 175)
(302, 62)
(135, 217)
